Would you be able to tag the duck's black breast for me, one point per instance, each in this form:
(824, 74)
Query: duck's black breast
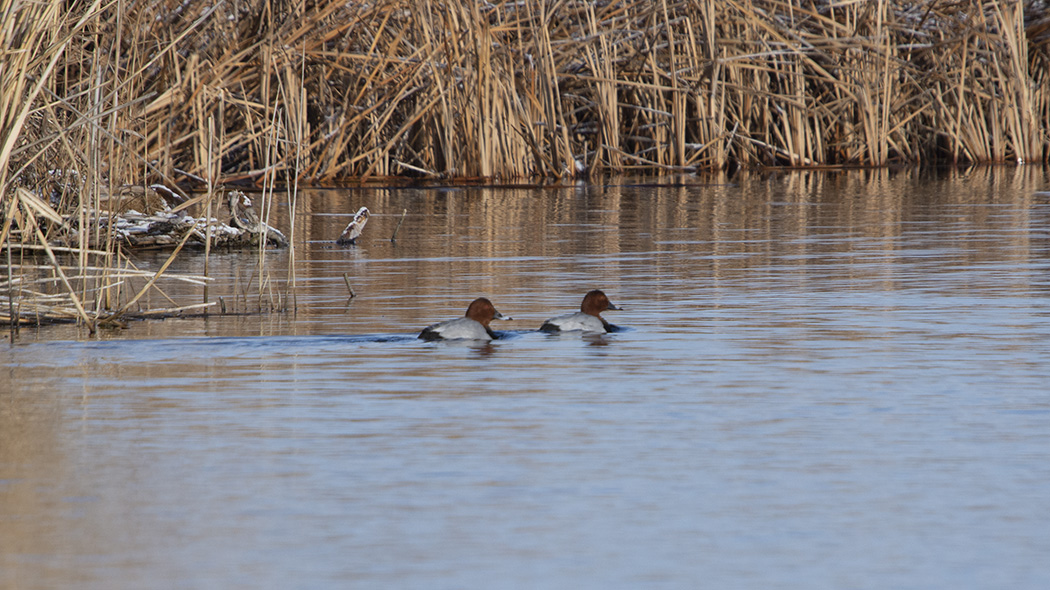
(430, 334)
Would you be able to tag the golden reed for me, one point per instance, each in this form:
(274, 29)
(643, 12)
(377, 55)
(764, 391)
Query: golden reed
(518, 89)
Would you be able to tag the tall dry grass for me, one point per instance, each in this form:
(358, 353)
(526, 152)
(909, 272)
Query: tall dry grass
(524, 88)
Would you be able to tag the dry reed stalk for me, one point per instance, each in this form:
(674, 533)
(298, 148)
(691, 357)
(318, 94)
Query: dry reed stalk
(1019, 90)
(11, 297)
(346, 279)
(121, 274)
(274, 142)
(296, 131)
(393, 236)
(81, 313)
(210, 197)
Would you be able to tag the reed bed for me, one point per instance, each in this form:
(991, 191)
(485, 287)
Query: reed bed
(521, 89)
(97, 95)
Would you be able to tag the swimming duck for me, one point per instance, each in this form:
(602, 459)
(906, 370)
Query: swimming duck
(474, 325)
(588, 319)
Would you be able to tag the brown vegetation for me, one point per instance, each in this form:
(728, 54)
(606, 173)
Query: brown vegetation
(517, 89)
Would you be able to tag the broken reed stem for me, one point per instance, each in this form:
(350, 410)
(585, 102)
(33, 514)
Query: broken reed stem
(346, 279)
(62, 275)
(269, 182)
(153, 279)
(176, 310)
(11, 292)
(208, 213)
(393, 238)
(293, 197)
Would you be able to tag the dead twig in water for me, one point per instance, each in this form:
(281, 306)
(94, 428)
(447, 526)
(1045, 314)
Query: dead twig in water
(404, 212)
(346, 279)
(11, 292)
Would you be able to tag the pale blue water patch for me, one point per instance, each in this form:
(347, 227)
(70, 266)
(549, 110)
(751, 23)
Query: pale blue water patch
(847, 391)
(648, 456)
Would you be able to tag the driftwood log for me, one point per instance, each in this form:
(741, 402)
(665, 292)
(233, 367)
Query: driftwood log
(166, 228)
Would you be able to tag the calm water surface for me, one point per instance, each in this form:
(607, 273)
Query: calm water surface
(827, 381)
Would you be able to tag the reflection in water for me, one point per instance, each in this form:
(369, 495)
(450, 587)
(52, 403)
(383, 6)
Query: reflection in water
(836, 377)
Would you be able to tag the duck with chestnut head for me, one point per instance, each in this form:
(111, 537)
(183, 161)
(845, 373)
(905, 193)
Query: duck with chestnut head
(474, 325)
(587, 320)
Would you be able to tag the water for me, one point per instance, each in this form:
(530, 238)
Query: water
(827, 381)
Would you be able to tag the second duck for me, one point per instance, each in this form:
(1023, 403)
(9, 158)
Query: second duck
(588, 319)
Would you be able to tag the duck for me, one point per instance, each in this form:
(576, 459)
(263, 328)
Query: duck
(588, 319)
(244, 215)
(246, 218)
(354, 228)
(474, 325)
